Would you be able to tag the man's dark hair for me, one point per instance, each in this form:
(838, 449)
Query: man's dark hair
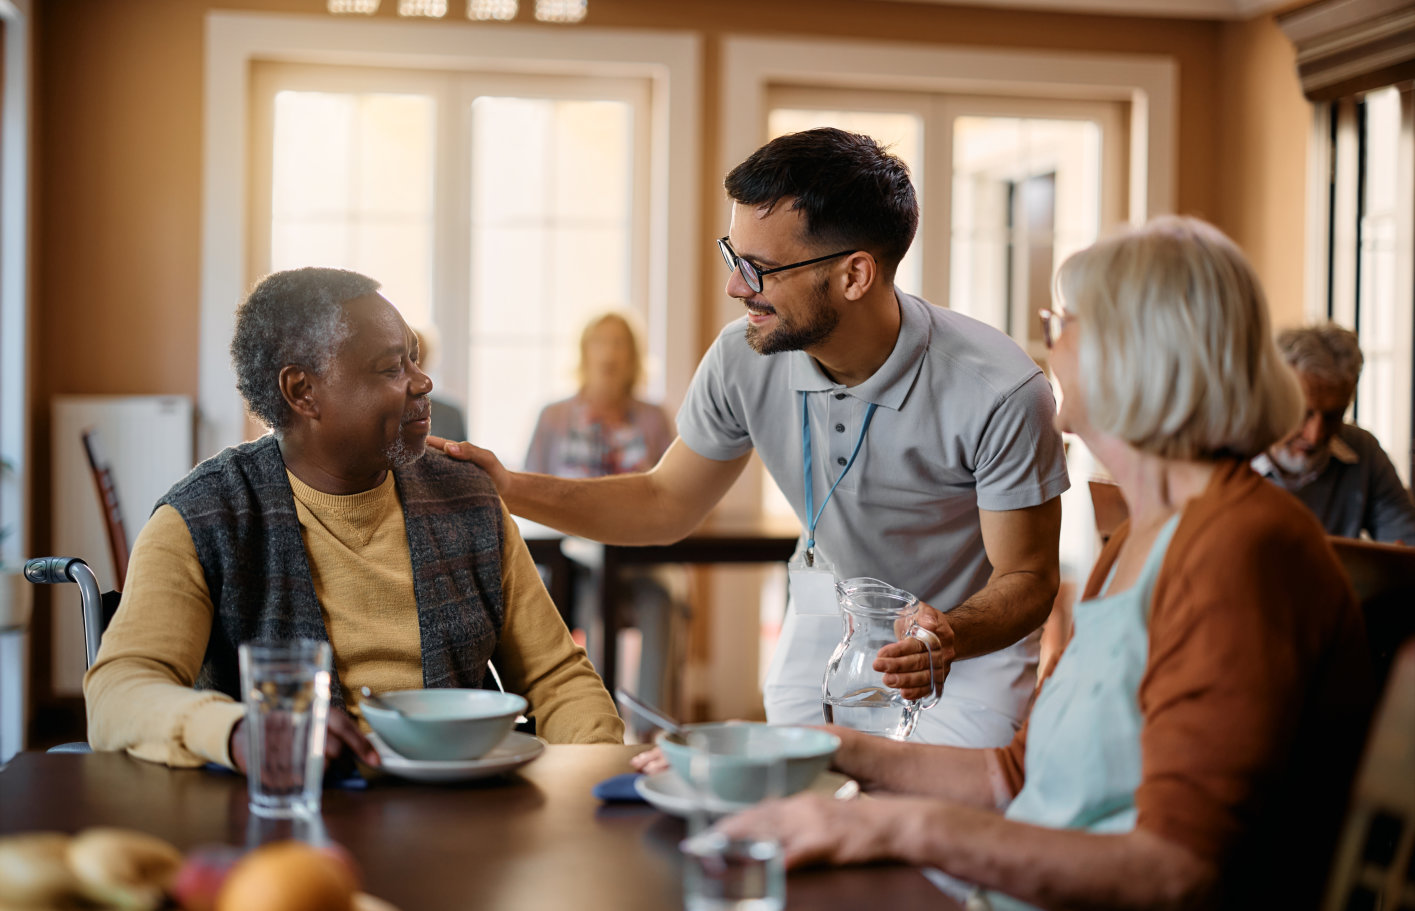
(851, 192)
(292, 317)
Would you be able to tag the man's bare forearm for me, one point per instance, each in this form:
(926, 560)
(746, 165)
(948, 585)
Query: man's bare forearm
(621, 509)
(1009, 607)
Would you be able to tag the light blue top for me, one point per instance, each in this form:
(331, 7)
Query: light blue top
(1083, 737)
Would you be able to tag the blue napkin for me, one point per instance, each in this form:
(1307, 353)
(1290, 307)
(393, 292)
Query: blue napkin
(618, 789)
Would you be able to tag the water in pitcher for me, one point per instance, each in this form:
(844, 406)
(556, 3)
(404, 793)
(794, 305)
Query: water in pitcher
(873, 710)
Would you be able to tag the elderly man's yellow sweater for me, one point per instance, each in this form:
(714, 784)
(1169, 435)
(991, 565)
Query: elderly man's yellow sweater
(139, 691)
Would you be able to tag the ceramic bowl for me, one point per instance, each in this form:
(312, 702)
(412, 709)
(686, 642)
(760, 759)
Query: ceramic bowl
(738, 754)
(444, 725)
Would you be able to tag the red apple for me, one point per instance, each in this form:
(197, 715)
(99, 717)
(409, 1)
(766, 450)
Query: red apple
(202, 875)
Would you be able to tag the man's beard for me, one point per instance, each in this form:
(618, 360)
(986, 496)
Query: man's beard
(399, 453)
(820, 320)
(1299, 465)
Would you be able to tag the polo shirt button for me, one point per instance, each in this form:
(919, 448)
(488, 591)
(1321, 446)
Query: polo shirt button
(839, 428)
(839, 395)
(841, 461)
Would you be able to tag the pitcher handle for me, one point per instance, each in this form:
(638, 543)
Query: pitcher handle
(931, 642)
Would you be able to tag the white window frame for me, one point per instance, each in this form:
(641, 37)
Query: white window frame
(1332, 256)
(14, 280)
(751, 67)
(671, 61)
(453, 93)
(939, 114)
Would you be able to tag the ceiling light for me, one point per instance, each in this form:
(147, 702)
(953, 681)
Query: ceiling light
(499, 10)
(359, 7)
(561, 10)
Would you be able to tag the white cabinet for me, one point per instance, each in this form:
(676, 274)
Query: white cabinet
(148, 443)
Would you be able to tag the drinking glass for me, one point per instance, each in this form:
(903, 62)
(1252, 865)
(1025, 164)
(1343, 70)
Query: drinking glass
(721, 873)
(285, 688)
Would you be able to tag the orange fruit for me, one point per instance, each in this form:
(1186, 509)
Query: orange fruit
(287, 876)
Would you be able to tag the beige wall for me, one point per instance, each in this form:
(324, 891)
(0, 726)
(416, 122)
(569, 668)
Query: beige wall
(119, 131)
(1261, 167)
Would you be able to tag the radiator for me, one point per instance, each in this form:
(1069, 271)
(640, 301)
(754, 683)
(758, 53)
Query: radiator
(148, 443)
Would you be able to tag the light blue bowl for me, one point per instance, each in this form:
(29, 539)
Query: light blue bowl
(445, 724)
(739, 753)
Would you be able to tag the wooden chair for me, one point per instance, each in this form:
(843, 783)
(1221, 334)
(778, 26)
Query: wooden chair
(1375, 859)
(108, 505)
(1109, 506)
(1384, 578)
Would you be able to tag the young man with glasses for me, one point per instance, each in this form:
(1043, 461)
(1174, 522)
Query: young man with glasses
(933, 461)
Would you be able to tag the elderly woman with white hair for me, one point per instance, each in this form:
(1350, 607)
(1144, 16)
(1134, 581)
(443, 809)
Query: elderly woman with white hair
(1194, 745)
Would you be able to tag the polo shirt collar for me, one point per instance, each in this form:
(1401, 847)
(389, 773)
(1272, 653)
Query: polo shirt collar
(889, 385)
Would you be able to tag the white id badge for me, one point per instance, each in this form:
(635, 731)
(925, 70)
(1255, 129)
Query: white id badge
(812, 588)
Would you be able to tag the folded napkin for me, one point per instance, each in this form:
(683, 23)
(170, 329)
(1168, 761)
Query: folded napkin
(618, 789)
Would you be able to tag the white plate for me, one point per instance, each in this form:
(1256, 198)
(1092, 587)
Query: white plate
(667, 792)
(512, 753)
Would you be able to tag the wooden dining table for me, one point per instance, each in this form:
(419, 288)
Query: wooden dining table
(536, 838)
(604, 615)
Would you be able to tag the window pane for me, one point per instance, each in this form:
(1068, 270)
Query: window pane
(1383, 402)
(902, 134)
(1026, 194)
(352, 187)
(552, 204)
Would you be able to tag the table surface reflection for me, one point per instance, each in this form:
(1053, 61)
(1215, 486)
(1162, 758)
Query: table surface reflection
(534, 839)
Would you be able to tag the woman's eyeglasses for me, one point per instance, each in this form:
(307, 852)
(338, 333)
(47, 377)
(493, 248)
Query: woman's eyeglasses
(1052, 325)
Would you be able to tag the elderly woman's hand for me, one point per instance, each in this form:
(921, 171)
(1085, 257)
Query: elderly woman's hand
(905, 663)
(813, 828)
(650, 762)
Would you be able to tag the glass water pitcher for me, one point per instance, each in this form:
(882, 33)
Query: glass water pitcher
(873, 615)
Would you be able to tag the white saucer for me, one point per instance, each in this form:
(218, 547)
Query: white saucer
(512, 753)
(667, 792)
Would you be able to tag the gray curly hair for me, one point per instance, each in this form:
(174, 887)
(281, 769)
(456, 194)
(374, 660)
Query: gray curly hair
(1326, 352)
(291, 317)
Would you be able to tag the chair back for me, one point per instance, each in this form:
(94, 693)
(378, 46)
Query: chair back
(1383, 576)
(1109, 506)
(108, 504)
(1375, 859)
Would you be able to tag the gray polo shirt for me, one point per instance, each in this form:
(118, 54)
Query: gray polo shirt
(1357, 491)
(964, 422)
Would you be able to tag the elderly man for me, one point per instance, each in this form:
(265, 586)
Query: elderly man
(1337, 469)
(335, 526)
(915, 445)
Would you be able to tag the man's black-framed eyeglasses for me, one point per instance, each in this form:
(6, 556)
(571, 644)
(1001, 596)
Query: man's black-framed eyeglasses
(753, 274)
(1053, 322)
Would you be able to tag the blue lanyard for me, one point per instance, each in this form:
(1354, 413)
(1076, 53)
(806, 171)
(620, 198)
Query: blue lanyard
(813, 515)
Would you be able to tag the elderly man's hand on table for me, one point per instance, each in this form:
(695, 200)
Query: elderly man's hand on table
(343, 735)
(905, 663)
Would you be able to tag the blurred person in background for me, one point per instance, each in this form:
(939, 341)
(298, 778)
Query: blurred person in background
(1339, 470)
(1194, 746)
(603, 429)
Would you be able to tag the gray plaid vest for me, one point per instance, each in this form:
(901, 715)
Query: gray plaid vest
(240, 511)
